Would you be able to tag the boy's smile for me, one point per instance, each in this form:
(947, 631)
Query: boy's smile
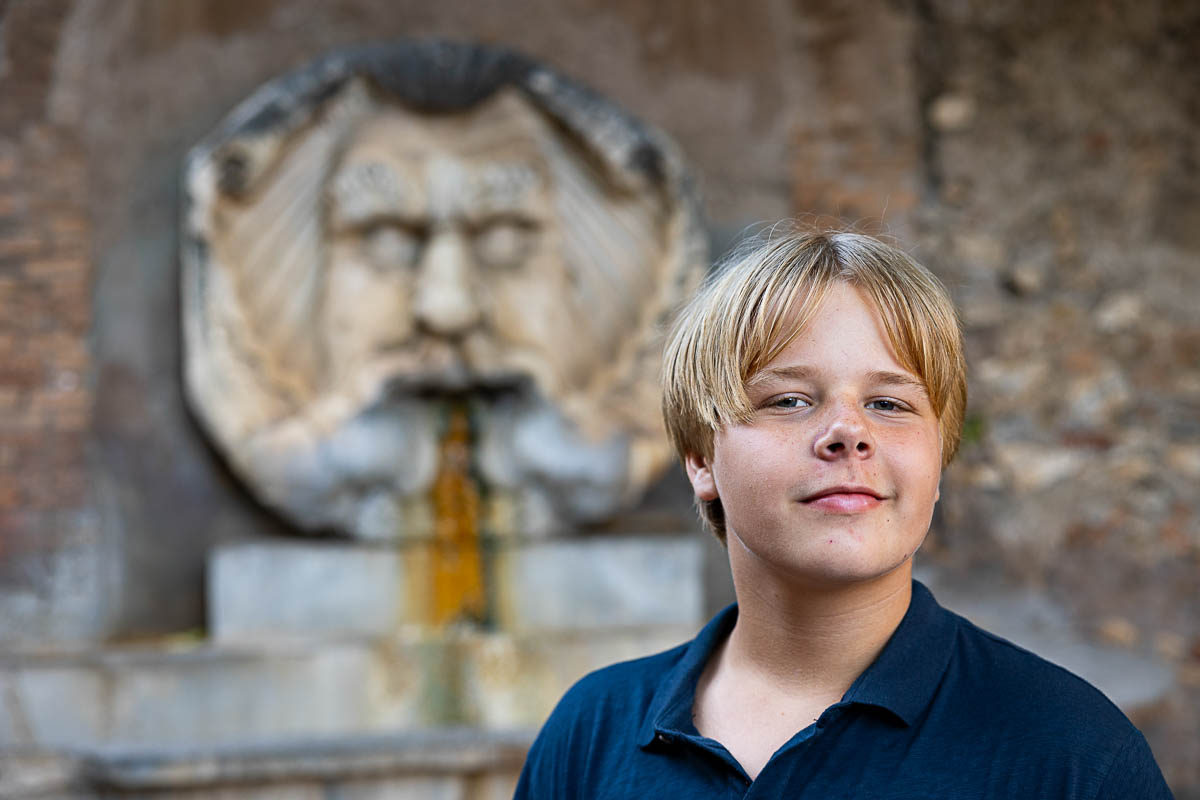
(835, 477)
(844, 499)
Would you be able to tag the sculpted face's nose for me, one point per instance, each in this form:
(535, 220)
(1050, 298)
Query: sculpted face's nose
(444, 300)
(846, 436)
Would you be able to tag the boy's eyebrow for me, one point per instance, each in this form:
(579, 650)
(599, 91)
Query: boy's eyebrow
(772, 373)
(886, 378)
(878, 377)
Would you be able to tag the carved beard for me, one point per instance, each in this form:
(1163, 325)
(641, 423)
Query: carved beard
(369, 473)
(527, 446)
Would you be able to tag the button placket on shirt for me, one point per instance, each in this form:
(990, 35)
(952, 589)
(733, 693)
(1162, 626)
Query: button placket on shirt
(712, 749)
(793, 756)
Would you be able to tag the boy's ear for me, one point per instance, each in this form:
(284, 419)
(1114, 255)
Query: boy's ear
(700, 474)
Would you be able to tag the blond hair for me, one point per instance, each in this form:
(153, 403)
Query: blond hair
(755, 305)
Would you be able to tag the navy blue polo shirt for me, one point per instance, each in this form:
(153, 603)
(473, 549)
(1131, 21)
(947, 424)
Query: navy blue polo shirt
(947, 710)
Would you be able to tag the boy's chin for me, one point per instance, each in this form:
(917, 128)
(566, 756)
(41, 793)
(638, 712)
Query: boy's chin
(845, 567)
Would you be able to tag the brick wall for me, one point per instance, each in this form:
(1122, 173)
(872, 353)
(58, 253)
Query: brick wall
(45, 308)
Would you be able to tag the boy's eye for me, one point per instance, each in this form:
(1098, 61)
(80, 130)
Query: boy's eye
(883, 404)
(787, 402)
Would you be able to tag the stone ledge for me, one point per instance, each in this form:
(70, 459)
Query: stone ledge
(38, 774)
(432, 752)
(215, 695)
(439, 763)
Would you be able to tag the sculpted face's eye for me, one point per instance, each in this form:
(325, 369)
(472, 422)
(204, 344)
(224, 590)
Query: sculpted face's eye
(504, 243)
(391, 246)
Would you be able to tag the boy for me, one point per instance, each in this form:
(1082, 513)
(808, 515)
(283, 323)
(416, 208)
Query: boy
(814, 390)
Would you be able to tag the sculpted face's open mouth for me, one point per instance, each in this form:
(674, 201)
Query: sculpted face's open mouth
(440, 367)
(458, 382)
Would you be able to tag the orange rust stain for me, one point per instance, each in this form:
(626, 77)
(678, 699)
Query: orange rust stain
(456, 563)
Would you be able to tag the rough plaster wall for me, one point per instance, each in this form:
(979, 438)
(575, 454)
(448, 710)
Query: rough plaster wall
(1042, 158)
(1062, 167)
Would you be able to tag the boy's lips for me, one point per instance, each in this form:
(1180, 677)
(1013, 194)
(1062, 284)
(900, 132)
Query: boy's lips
(847, 488)
(849, 499)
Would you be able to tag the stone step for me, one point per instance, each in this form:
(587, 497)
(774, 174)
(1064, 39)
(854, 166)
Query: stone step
(210, 694)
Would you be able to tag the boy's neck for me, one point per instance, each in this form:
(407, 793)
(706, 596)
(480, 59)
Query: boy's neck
(812, 637)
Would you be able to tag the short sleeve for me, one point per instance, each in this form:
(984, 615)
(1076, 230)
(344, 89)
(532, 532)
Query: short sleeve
(1134, 774)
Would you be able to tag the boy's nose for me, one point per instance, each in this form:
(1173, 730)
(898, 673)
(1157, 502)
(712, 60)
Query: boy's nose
(846, 437)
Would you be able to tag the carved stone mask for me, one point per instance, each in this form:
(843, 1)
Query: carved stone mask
(360, 265)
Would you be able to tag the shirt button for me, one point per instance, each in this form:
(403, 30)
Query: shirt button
(662, 737)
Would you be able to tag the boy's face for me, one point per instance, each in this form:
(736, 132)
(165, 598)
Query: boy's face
(835, 477)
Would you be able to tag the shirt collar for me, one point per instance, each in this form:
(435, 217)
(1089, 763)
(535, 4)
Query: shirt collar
(671, 707)
(909, 668)
(901, 680)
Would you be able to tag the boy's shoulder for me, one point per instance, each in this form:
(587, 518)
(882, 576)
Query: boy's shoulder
(1007, 688)
(596, 724)
(619, 693)
(1003, 705)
